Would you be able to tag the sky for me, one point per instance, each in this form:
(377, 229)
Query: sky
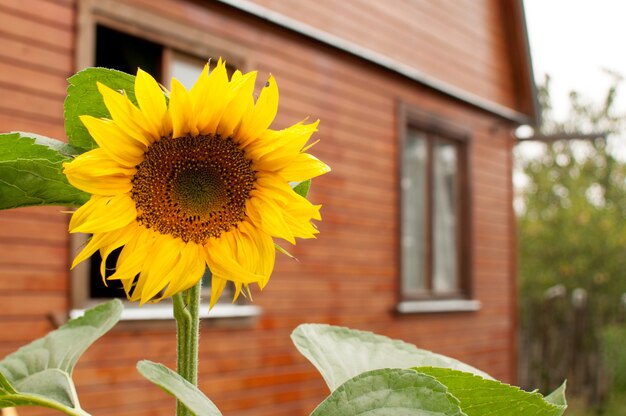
(572, 41)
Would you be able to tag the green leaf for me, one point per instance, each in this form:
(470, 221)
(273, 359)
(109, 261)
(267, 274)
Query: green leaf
(303, 188)
(557, 397)
(40, 372)
(481, 397)
(342, 353)
(174, 384)
(83, 98)
(390, 392)
(31, 172)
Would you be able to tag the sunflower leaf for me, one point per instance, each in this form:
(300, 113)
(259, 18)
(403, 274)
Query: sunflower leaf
(341, 353)
(303, 188)
(83, 98)
(174, 384)
(557, 397)
(390, 392)
(31, 172)
(479, 397)
(40, 372)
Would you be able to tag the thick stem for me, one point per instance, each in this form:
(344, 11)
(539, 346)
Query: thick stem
(187, 315)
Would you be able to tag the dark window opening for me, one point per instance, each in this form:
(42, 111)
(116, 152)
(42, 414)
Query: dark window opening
(117, 50)
(97, 289)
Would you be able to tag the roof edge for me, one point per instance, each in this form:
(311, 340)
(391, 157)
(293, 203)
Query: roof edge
(378, 59)
(524, 61)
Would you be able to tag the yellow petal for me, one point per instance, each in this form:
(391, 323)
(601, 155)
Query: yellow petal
(122, 237)
(95, 172)
(192, 267)
(200, 90)
(275, 149)
(133, 255)
(128, 117)
(296, 211)
(266, 214)
(301, 227)
(238, 102)
(211, 106)
(159, 267)
(98, 241)
(217, 287)
(119, 146)
(152, 103)
(221, 258)
(181, 111)
(264, 247)
(103, 213)
(255, 122)
(303, 167)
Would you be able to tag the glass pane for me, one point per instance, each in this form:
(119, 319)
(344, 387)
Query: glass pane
(445, 225)
(414, 195)
(185, 68)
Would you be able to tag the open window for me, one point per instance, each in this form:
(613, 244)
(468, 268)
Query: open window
(107, 44)
(435, 206)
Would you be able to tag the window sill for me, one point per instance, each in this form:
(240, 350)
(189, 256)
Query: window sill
(438, 305)
(165, 312)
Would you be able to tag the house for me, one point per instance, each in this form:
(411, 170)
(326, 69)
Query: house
(418, 101)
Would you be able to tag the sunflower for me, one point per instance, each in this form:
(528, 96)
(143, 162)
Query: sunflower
(198, 181)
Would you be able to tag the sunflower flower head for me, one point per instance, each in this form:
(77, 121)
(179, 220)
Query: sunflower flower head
(199, 180)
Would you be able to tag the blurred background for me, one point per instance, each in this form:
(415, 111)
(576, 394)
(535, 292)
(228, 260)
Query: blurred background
(570, 203)
(475, 208)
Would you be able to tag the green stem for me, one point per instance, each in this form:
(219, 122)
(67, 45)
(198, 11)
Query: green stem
(187, 315)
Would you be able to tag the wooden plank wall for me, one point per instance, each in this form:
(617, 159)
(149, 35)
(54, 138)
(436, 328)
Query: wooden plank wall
(348, 276)
(460, 42)
(36, 56)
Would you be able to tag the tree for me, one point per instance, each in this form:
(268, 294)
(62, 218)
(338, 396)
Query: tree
(572, 228)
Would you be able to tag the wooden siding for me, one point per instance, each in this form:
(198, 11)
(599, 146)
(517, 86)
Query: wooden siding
(462, 43)
(349, 275)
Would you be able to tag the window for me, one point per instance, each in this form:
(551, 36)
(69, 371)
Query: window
(434, 239)
(164, 58)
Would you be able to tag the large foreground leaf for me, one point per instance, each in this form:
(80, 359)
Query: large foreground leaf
(557, 397)
(481, 397)
(174, 384)
(40, 373)
(31, 172)
(83, 98)
(390, 392)
(342, 353)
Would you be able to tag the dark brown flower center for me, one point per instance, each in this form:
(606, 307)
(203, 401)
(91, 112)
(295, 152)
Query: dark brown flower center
(192, 187)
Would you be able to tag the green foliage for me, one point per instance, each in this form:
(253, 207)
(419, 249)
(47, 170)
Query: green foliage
(557, 397)
(341, 353)
(571, 225)
(367, 374)
(83, 98)
(613, 341)
(31, 172)
(479, 397)
(303, 188)
(390, 392)
(40, 372)
(174, 384)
